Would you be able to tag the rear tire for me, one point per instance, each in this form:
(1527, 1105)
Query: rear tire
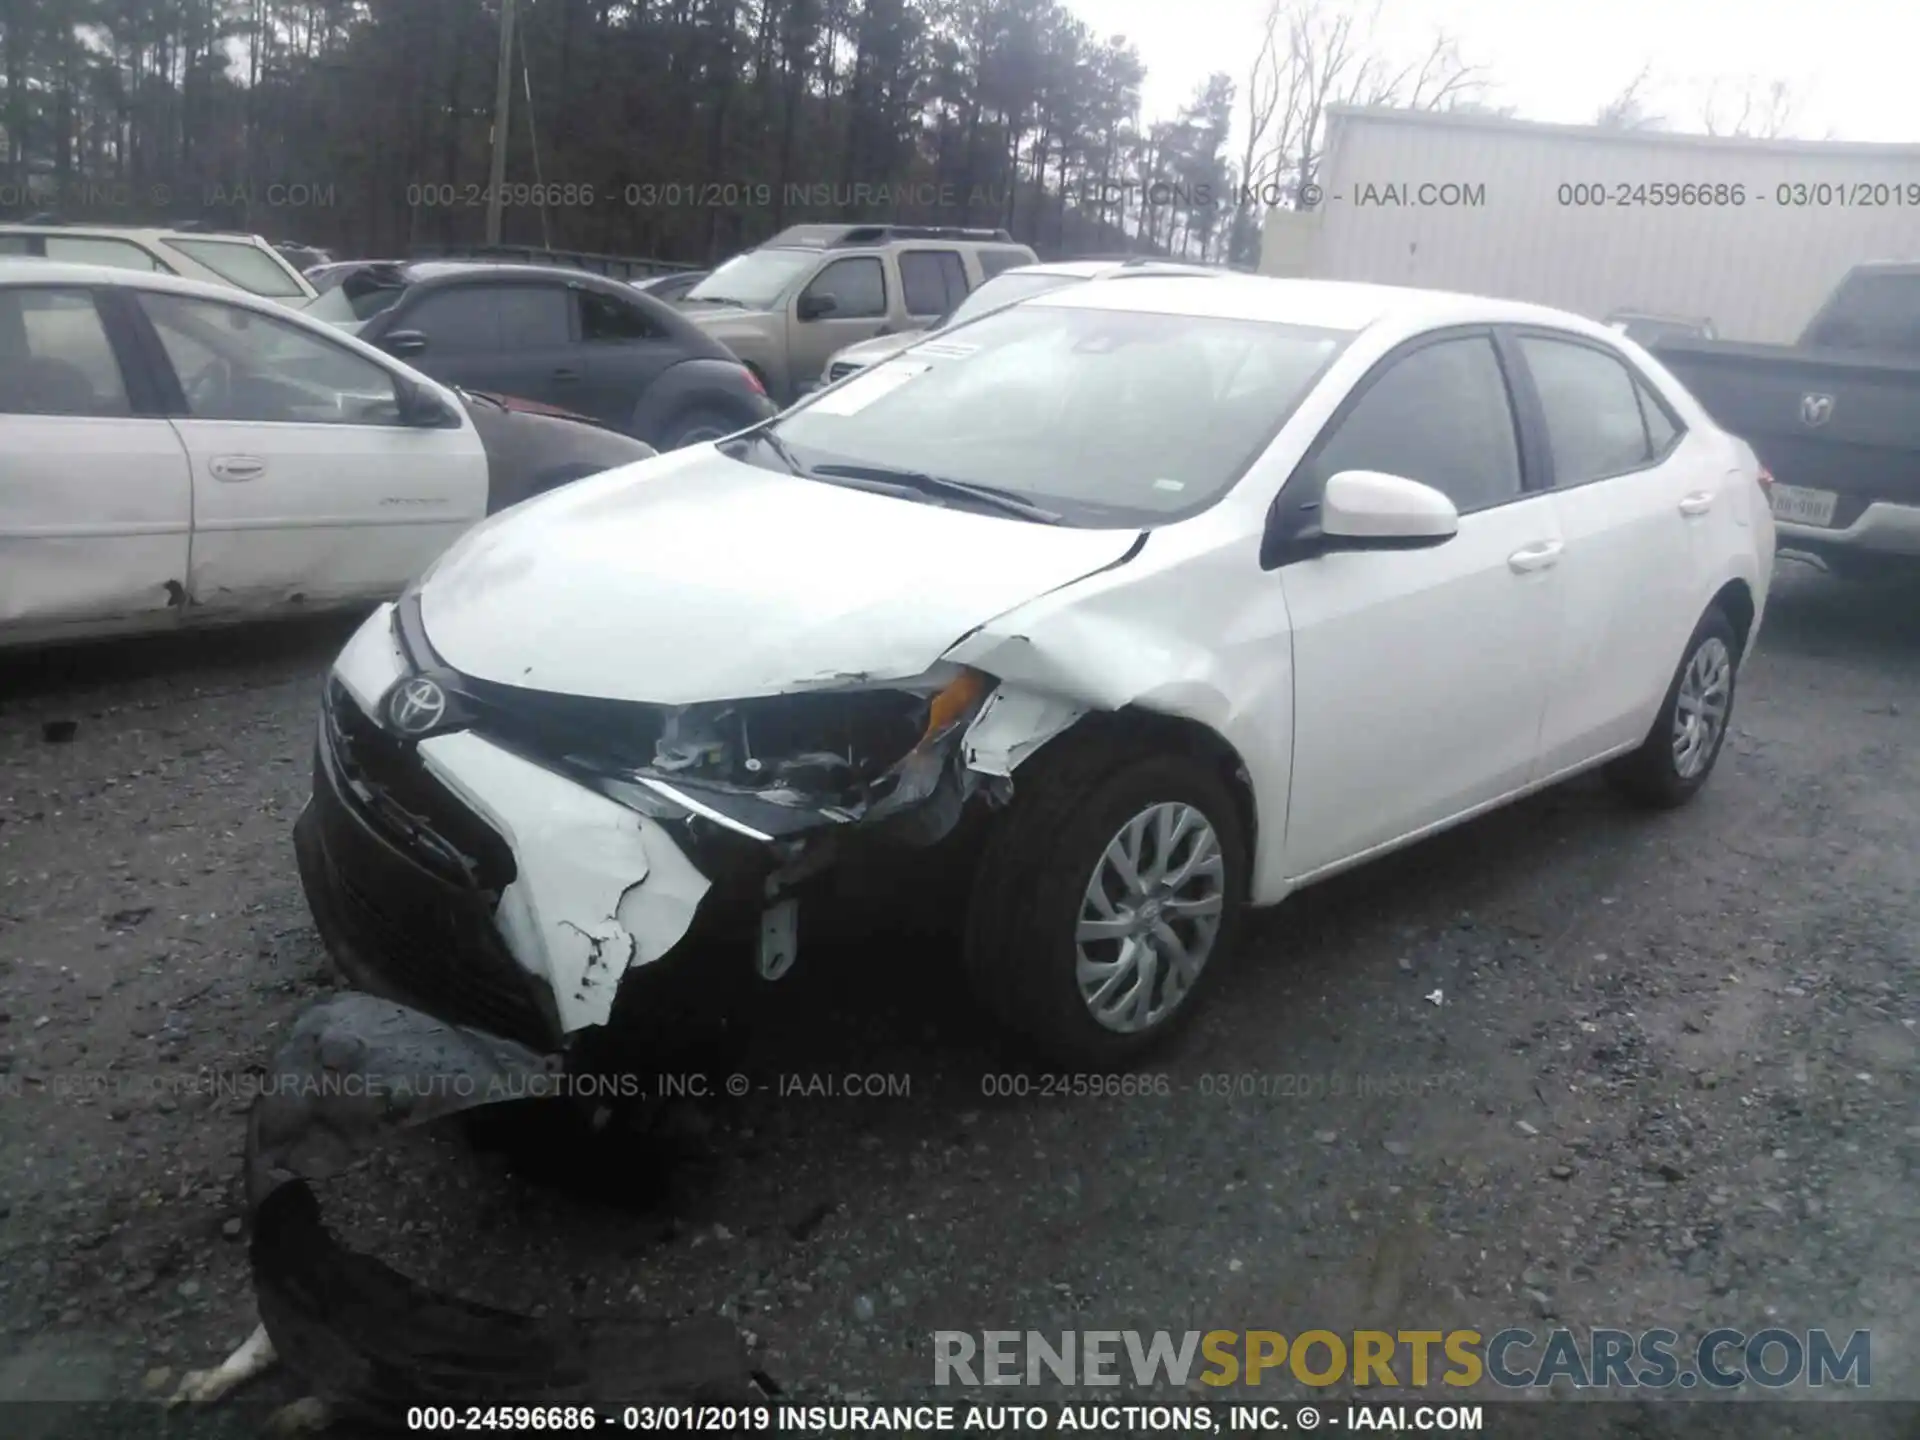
(1058, 943)
(697, 427)
(1678, 755)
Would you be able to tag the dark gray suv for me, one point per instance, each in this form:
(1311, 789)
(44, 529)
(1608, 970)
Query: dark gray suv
(564, 338)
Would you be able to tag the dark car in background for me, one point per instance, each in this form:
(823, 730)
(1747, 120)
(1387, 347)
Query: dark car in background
(566, 338)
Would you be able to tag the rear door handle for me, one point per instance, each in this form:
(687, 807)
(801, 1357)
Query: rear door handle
(237, 467)
(564, 373)
(1698, 503)
(1535, 557)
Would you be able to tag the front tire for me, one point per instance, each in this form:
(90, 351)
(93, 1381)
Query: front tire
(1679, 752)
(1107, 898)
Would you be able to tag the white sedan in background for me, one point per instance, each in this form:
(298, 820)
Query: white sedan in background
(177, 452)
(1128, 606)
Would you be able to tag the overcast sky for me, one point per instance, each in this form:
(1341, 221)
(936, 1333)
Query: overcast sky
(1849, 63)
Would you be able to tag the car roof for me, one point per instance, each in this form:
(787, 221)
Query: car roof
(1096, 269)
(1323, 304)
(143, 232)
(36, 270)
(419, 270)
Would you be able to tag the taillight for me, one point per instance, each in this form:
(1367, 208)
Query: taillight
(1765, 477)
(754, 380)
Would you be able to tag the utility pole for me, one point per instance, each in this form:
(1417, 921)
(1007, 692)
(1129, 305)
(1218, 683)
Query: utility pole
(502, 97)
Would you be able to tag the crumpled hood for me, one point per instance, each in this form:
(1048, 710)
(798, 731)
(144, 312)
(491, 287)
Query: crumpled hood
(693, 577)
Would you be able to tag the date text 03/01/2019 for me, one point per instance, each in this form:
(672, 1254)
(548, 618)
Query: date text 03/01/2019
(844, 1419)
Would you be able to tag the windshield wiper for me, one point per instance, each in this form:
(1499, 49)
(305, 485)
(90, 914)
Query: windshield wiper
(774, 443)
(922, 483)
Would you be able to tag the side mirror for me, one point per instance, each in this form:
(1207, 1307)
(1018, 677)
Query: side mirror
(420, 409)
(1369, 510)
(403, 342)
(813, 307)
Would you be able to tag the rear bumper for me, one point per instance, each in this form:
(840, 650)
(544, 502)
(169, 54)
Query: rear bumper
(1883, 527)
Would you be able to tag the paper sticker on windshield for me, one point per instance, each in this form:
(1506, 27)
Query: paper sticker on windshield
(863, 390)
(1169, 484)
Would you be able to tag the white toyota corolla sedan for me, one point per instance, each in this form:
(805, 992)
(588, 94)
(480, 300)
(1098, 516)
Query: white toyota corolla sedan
(1128, 608)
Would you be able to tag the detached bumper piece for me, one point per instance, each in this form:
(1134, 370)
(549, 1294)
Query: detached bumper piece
(370, 1341)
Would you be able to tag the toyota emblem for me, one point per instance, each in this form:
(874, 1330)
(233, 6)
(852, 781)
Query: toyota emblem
(1815, 410)
(417, 706)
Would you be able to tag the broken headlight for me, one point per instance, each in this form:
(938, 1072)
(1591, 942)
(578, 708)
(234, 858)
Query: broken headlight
(839, 747)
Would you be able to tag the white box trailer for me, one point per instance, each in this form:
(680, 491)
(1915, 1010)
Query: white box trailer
(1750, 234)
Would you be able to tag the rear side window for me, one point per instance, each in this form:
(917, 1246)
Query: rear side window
(100, 250)
(247, 266)
(1879, 312)
(994, 260)
(1591, 404)
(1440, 416)
(55, 358)
(1661, 430)
(932, 281)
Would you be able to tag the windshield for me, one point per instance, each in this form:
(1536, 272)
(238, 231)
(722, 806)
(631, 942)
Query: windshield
(248, 266)
(1110, 418)
(756, 279)
(1004, 290)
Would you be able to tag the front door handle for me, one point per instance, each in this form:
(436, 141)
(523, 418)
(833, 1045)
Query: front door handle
(1536, 557)
(563, 373)
(1698, 503)
(237, 467)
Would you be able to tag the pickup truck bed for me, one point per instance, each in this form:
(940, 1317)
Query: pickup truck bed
(1837, 424)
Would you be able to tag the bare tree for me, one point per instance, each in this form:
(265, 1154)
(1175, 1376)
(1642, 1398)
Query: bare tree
(1628, 110)
(1314, 55)
(1762, 111)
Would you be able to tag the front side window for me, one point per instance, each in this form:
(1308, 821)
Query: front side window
(100, 250)
(534, 317)
(55, 358)
(605, 320)
(1589, 400)
(237, 364)
(247, 266)
(1113, 418)
(858, 285)
(461, 319)
(1440, 416)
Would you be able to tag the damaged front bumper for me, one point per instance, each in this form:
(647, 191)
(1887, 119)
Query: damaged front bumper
(455, 873)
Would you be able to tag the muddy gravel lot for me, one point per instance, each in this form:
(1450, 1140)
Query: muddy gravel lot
(1571, 1064)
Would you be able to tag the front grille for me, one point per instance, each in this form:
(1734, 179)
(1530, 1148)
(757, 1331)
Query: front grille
(401, 798)
(414, 877)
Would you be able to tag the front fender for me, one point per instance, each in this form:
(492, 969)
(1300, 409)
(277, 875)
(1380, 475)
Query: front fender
(718, 385)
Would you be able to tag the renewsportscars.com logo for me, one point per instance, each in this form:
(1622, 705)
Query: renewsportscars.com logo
(1512, 1359)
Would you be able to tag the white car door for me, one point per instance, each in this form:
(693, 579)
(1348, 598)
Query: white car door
(1420, 675)
(308, 486)
(1628, 491)
(95, 503)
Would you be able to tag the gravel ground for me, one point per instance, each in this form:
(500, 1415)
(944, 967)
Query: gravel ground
(1671, 1078)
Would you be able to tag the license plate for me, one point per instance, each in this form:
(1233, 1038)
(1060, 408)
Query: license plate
(1801, 506)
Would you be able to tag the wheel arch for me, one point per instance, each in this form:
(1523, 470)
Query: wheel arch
(1735, 600)
(1134, 726)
